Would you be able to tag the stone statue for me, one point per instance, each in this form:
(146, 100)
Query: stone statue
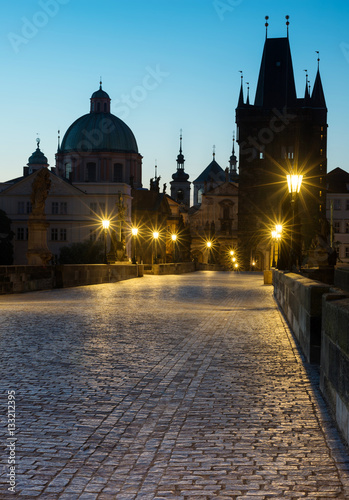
(40, 189)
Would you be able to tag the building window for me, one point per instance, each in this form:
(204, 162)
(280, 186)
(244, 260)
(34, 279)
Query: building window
(68, 170)
(29, 207)
(98, 106)
(117, 173)
(337, 226)
(62, 235)
(93, 208)
(102, 209)
(22, 233)
(336, 204)
(54, 207)
(347, 227)
(63, 208)
(261, 155)
(347, 252)
(200, 193)
(54, 234)
(91, 172)
(347, 205)
(105, 107)
(21, 207)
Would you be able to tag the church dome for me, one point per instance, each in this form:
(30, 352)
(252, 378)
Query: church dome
(99, 132)
(38, 157)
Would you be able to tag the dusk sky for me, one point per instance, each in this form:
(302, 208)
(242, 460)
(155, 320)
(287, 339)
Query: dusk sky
(167, 65)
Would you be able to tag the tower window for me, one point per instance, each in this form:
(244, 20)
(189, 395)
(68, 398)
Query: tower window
(105, 107)
(91, 172)
(98, 106)
(118, 173)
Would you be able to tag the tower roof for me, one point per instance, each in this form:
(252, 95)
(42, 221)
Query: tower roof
(318, 96)
(276, 86)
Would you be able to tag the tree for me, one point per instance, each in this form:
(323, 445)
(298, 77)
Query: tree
(86, 252)
(6, 235)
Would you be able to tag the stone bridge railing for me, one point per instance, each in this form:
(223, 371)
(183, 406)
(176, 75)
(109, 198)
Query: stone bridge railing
(318, 315)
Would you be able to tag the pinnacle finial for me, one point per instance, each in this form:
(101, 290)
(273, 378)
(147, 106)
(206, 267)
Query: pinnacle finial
(287, 23)
(266, 26)
(318, 58)
(100, 83)
(214, 151)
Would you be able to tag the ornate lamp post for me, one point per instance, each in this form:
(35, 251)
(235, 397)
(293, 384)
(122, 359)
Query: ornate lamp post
(294, 182)
(276, 236)
(105, 224)
(174, 239)
(134, 234)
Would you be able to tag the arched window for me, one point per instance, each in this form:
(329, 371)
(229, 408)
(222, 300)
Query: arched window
(105, 107)
(118, 173)
(200, 193)
(98, 106)
(91, 172)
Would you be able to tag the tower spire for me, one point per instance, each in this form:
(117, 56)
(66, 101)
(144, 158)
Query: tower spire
(266, 26)
(241, 95)
(180, 157)
(306, 93)
(248, 93)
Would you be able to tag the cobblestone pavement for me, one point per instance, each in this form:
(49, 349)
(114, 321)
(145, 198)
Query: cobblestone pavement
(165, 387)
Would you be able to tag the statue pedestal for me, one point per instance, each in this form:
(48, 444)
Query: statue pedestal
(38, 253)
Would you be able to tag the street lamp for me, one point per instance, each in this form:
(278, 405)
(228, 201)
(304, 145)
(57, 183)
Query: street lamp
(155, 236)
(276, 236)
(105, 224)
(294, 182)
(174, 239)
(209, 245)
(134, 234)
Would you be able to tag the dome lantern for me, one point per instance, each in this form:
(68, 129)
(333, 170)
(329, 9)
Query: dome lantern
(100, 101)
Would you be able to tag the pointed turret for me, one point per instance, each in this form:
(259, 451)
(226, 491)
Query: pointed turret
(241, 95)
(318, 96)
(180, 186)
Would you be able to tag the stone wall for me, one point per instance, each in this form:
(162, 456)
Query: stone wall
(300, 299)
(174, 268)
(334, 374)
(18, 279)
(341, 278)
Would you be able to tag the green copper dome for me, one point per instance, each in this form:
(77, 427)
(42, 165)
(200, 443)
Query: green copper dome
(99, 132)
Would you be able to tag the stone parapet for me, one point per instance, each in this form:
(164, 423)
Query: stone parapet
(18, 279)
(300, 299)
(334, 374)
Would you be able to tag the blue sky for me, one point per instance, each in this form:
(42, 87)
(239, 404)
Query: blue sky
(53, 53)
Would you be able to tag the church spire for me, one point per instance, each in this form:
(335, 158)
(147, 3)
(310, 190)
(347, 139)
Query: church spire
(232, 163)
(248, 93)
(180, 157)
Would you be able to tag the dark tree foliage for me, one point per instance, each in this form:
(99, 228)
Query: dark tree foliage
(86, 252)
(6, 235)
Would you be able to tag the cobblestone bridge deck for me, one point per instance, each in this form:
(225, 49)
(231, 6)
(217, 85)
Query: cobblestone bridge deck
(165, 387)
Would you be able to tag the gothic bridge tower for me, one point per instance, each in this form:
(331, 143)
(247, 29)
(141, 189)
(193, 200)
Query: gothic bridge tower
(277, 135)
